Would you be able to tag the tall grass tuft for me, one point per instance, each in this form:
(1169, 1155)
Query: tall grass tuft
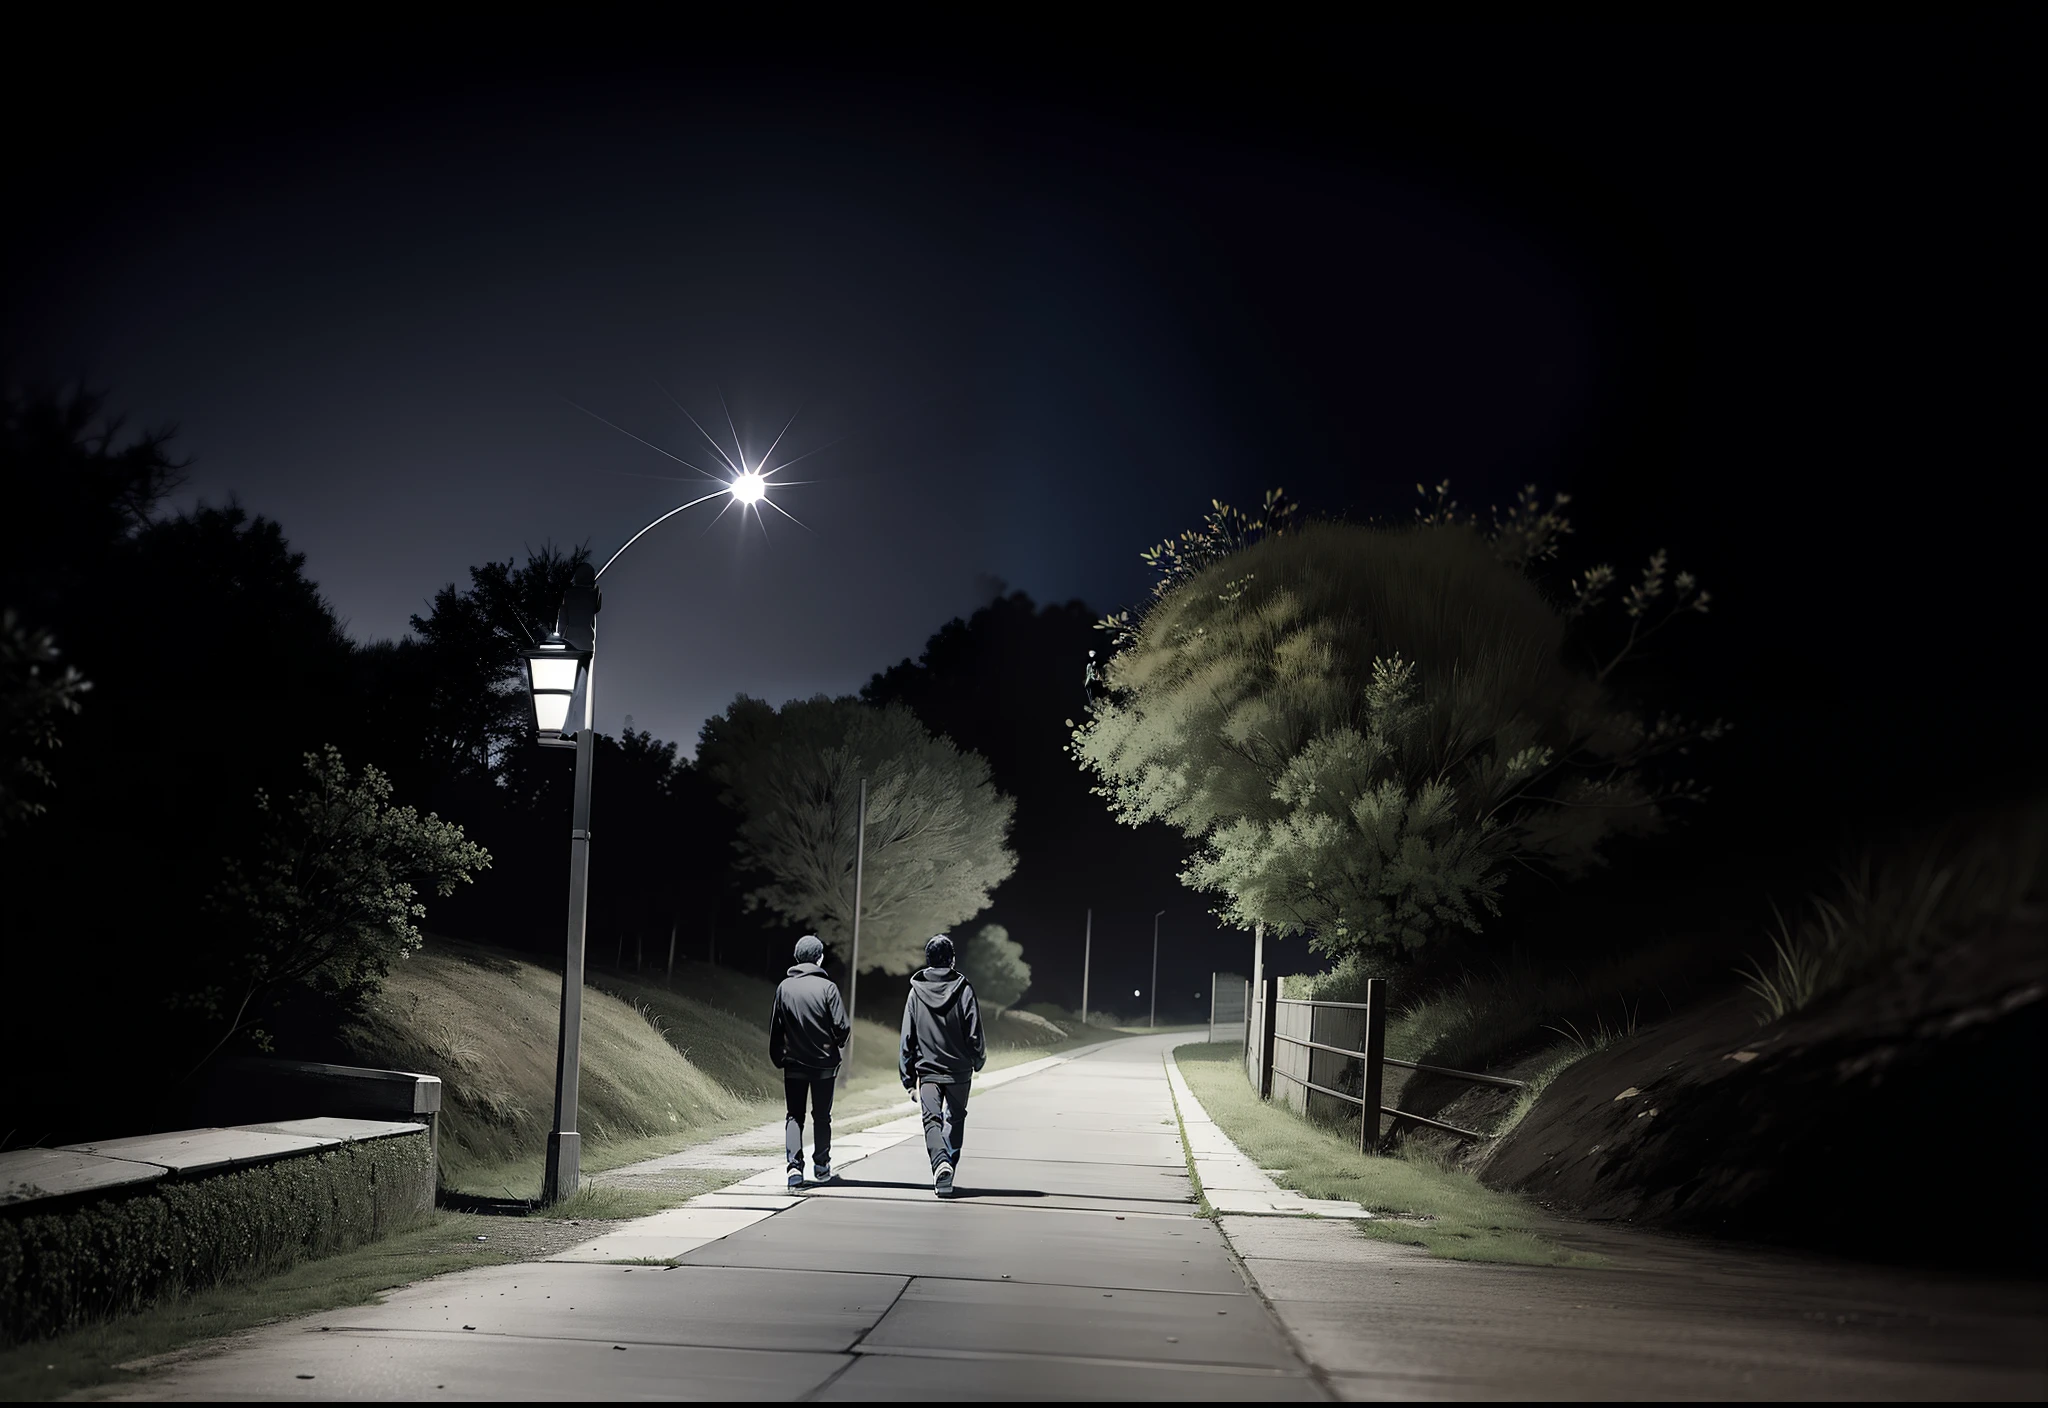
(1900, 903)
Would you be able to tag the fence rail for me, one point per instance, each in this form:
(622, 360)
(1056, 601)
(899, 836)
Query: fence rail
(1371, 1055)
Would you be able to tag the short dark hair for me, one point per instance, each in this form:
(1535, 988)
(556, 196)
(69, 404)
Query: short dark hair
(938, 952)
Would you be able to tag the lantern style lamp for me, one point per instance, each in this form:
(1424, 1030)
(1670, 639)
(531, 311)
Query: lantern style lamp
(558, 674)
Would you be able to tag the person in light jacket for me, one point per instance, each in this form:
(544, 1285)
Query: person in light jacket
(806, 1041)
(942, 1049)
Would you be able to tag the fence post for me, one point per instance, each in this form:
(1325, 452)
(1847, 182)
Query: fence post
(1373, 1058)
(1269, 1009)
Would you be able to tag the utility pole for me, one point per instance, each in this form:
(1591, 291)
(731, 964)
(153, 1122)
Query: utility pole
(1155, 967)
(1087, 953)
(674, 925)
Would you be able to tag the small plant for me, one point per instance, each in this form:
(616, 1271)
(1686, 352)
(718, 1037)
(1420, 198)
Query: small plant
(1602, 1036)
(1794, 977)
(1904, 904)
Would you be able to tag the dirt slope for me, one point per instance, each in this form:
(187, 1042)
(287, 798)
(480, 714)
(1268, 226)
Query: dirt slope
(1901, 1119)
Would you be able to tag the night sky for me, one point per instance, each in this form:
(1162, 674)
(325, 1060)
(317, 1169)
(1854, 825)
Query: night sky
(1768, 296)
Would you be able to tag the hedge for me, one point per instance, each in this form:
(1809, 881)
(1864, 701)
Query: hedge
(126, 1252)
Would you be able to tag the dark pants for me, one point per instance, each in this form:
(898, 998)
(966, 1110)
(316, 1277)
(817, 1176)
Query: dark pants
(944, 1106)
(795, 1089)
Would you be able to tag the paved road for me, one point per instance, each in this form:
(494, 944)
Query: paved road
(1070, 1265)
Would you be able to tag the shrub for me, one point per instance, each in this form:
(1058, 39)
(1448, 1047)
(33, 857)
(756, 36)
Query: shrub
(1903, 902)
(59, 1270)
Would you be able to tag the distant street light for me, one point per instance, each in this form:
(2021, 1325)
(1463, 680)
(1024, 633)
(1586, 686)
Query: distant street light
(559, 675)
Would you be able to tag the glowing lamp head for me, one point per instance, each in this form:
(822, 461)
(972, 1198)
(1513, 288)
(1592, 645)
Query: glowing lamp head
(748, 488)
(557, 674)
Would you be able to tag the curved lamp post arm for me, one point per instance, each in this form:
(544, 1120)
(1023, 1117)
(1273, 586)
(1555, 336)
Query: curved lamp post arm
(657, 523)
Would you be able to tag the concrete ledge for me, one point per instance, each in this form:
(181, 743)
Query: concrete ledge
(28, 1175)
(37, 1175)
(252, 1089)
(203, 1150)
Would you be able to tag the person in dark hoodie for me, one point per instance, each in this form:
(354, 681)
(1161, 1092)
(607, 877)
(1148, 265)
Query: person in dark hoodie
(806, 1041)
(942, 1049)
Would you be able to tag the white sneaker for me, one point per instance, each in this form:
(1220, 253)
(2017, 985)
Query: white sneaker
(942, 1180)
(821, 1173)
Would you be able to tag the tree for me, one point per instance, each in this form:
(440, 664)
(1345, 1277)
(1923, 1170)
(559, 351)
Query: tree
(994, 963)
(476, 705)
(331, 899)
(936, 826)
(33, 692)
(1362, 727)
(1006, 682)
(77, 489)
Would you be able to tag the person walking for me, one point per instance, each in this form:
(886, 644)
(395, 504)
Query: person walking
(806, 1041)
(942, 1049)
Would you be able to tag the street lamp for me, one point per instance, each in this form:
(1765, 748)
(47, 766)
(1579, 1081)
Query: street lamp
(1155, 967)
(559, 675)
(554, 671)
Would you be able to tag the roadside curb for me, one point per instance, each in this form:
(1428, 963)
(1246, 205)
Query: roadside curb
(1233, 1183)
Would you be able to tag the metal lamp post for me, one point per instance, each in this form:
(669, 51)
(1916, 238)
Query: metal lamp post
(1155, 966)
(559, 674)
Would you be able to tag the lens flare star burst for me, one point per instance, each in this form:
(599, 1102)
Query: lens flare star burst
(737, 481)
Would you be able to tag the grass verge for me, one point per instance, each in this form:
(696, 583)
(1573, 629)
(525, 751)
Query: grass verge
(97, 1354)
(453, 1241)
(1448, 1212)
(1180, 1124)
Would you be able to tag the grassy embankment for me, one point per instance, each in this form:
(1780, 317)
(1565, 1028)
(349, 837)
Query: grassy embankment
(664, 1068)
(1444, 1209)
(1890, 902)
(1902, 902)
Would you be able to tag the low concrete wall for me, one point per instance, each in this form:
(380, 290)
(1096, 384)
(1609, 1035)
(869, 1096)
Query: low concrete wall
(88, 1231)
(258, 1091)
(50, 1178)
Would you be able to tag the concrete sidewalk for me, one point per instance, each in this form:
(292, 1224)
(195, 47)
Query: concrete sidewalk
(1070, 1265)
(1667, 1318)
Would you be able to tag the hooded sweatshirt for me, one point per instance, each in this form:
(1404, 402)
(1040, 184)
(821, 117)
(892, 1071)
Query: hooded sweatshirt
(942, 1039)
(809, 1029)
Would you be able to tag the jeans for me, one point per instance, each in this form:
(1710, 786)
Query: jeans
(944, 1106)
(795, 1089)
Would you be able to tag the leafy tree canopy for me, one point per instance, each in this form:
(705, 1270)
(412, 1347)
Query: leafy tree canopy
(1362, 727)
(994, 963)
(936, 826)
(331, 899)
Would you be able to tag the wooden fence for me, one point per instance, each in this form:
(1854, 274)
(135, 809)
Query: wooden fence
(1319, 1057)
